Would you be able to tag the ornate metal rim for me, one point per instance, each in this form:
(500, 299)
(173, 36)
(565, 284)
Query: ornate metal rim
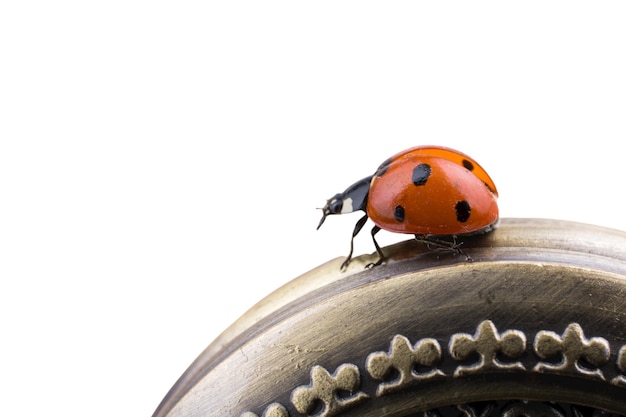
(539, 315)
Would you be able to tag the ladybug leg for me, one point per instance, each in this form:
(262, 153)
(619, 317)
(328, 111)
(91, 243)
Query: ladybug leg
(357, 228)
(381, 256)
(433, 242)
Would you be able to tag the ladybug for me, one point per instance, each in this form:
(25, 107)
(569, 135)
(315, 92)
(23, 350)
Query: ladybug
(432, 192)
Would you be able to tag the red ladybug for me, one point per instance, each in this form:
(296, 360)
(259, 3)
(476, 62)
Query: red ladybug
(432, 192)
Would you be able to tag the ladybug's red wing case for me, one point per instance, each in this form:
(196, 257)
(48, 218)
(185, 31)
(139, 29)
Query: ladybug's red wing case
(427, 195)
(449, 154)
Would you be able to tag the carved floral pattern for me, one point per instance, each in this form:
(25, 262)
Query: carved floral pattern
(487, 343)
(326, 388)
(405, 358)
(572, 347)
(407, 364)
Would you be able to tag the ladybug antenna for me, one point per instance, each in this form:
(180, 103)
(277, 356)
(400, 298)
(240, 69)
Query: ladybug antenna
(323, 217)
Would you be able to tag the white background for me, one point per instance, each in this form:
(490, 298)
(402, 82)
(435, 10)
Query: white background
(161, 162)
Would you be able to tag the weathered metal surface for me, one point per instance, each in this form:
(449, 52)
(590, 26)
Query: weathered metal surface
(539, 315)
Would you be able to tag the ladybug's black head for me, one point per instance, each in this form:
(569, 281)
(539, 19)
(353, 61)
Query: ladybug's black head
(333, 206)
(353, 199)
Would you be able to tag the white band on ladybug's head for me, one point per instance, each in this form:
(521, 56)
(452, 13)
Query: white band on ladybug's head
(347, 206)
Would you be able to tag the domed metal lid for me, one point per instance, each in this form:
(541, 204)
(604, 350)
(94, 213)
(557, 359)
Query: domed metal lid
(534, 325)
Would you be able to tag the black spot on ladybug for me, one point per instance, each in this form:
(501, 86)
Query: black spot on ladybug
(468, 165)
(383, 167)
(462, 209)
(398, 213)
(421, 174)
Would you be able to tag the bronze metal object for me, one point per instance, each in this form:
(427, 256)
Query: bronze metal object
(535, 325)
